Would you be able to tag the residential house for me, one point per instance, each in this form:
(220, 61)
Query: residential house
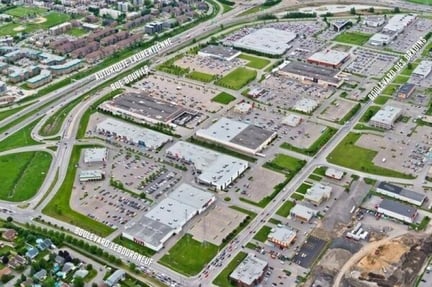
(9, 235)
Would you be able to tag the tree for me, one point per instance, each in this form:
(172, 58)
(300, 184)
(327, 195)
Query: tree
(396, 10)
(353, 11)
(89, 267)
(409, 66)
(9, 219)
(5, 260)
(371, 10)
(78, 282)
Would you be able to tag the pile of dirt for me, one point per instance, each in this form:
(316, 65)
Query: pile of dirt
(395, 264)
(383, 257)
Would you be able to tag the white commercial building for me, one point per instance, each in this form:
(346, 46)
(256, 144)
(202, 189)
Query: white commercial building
(302, 213)
(329, 58)
(132, 134)
(95, 155)
(292, 120)
(381, 39)
(305, 105)
(91, 175)
(386, 117)
(400, 193)
(237, 135)
(334, 173)
(374, 21)
(395, 26)
(282, 237)
(169, 216)
(397, 210)
(423, 69)
(398, 23)
(318, 193)
(213, 168)
(249, 272)
(269, 41)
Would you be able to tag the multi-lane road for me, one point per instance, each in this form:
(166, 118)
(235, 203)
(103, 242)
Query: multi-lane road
(54, 101)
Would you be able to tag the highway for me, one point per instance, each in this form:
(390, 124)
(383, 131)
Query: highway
(69, 130)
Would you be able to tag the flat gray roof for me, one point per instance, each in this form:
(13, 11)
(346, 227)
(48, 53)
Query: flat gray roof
(190, 195)
(332, 57)
(139, 135)
(95, 155)
(236, 132)
(220, 51)
(144, 105)
(249, 270)
(387, 115)
(149, 230)
(423, 69)
(267, 40)
(215, 167)
(252, 137)
(312, 71)
(401, 191)
(398, 207)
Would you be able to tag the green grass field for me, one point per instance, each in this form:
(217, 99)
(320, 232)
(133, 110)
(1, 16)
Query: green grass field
(134, 246)
(303, 188)
(22, 174)
(189, 256)
(200, 76)
(285, 209)
(223, 98)
(52, 19)
(20, 138)
(77, 32)
(237, 79)
(285, 164)
(24, 11)
(262, 234)
(381, 100)
(353, 38)
(255, 62)
(425, 2)
(222, 280)
(370, 112)
(59, 207)
(349, 155)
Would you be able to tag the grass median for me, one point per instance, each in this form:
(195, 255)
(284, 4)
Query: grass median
(237, 79)
(20, 139)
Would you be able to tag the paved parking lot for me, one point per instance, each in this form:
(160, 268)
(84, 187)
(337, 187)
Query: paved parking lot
(410, 35)
(370, 63)
(209, 65)
(284, 92)
(336, 110)
(304, 135)
(309, 252)
(216, 223)
(172, 89)
(260, 185)
(140, 174)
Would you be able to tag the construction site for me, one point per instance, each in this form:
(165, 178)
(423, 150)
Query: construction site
(382, 262)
